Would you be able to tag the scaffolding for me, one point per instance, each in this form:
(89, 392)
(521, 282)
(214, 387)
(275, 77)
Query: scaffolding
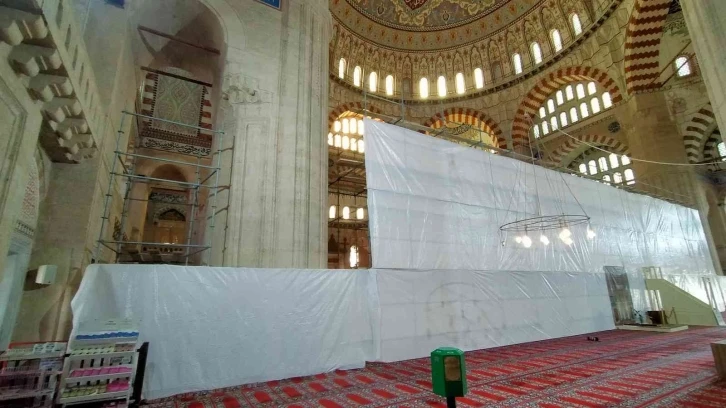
(127, 161)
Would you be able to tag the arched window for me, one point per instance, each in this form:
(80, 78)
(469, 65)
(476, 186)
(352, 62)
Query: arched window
(360, 127)
(353, 126)
(353, 144)
(560, 98)
(479, 78)
(357, 74)
(360, 213)
(331, 212)
(614, 163)
(338, 142)
(346, 142)
(346, 213)
(625, 160)
(683, 67)
(542, 112)
(617, 178)
(545, 128)
(629, 176)
(341, 68)
(568, 93)
(563, 119)
(441, 86)
(603, 163)
(535, 131)
(721, 148)
(583, 168)
(550, 106)
(583, 110)
(423, 88)
(573, 115)
(389, 85)
(606, 178)
(591, 88)
(337, 126)
(591, 165)
(517, 61)
(496, 70)
(346, 128)
(460, 85)
(353, 259)
(556, 40)
(576, 25)
(553, 122)
(330, 139)
(373, 82)
(536, 53)
(606, 101)
(361, 146)
(595, 105)
(580, 91)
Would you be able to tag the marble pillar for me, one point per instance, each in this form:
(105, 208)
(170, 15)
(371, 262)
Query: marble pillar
(706, 22)
(654, 136)
(275, 162)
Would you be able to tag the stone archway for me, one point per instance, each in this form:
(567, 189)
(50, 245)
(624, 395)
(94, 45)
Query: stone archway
(345, 107)
(470, 117)
(642, 44)
(570, 149)
(546, 87)
(696, 132)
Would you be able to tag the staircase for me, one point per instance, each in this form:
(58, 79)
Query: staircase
(689, 309)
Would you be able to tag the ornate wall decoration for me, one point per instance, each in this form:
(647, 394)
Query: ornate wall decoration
(171, 98)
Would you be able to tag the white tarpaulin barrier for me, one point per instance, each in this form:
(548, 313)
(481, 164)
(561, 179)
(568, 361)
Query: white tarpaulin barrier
(434, 204)
(218, 327)
(423, 310)
(444, 277)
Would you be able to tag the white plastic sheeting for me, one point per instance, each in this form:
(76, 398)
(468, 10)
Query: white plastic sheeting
(434, 204)
(423, 310)
(218, 327)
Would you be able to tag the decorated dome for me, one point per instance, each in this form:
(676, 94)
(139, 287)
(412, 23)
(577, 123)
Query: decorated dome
(424, 50)
(427, 24)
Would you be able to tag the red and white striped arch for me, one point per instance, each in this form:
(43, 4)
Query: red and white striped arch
(345, 107)
(471, 117)
(549, 85)
(566, 152)
(642, 44)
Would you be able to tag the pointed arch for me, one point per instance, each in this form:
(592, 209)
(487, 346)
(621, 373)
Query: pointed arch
(642, 44)
(569, 149)
(348, 106)
(696, 132)
(550, 84)
(470, 117)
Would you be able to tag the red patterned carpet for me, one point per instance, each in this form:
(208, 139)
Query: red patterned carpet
(624, 369)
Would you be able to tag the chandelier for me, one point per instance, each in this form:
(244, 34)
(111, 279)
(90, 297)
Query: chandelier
(558, 224)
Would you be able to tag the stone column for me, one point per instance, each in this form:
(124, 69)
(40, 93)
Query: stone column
(277, 175)
(706, 21)
(653, 135)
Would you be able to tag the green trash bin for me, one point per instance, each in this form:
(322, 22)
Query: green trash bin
(448, 373)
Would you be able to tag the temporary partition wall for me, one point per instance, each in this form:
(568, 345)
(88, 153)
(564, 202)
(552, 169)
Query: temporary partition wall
(434, 204)
(446, 273)
(218, 327)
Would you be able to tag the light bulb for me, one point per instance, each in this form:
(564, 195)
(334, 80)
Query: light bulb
(568, 241)
(565, 233)
(526, 241)
(543, 239)
(518, 239)
(590, 233)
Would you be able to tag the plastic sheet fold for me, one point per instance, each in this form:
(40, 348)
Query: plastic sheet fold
(434, 204)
